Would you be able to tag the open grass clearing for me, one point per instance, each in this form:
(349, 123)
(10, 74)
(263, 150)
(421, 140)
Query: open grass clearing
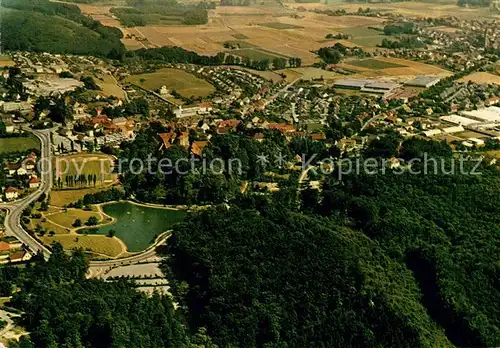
(109, 86)
(68, 217)
(61, 198)
(94, 243)
(47, 226)
(184, 83)
(19, 144)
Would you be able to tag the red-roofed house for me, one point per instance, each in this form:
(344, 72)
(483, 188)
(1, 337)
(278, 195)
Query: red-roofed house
(167, 139)
(232, 124)
(197, 147)
(282, 127)
(4, 247)
(34, 183)
(318, 136)
(19, 256)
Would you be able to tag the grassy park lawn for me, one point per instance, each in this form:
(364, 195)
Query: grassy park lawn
(48, 226)
(61, 198)
(67, 218)
(94, 243)
(184, 83)
(19, 144)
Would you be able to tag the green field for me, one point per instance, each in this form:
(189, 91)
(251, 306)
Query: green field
(374, 64)
(281, 26)
(184, 83)
(19, 144)
(240, 36)
(257, 54)
(363, 36)
(241, 44)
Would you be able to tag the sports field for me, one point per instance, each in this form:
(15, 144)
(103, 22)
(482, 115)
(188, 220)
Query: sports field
(184, 83)
(94, 170)
(19, 144)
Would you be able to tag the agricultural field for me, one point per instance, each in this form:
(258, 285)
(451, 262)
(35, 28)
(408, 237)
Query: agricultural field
(363, 36)
(19, 144)
(98, 244)
(272, 29)
(184, 83)
(256, 54)
(441, 8)
(96, 170)
(308, 73)
(280, 26)
(391, 67)
(481, 78)
(375, 64)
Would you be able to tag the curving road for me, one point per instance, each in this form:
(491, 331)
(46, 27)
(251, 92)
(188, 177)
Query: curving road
(15, 209)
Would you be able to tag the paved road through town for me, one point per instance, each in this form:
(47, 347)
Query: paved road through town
(15, 209)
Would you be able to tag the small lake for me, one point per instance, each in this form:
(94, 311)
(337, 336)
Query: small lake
(136, 225)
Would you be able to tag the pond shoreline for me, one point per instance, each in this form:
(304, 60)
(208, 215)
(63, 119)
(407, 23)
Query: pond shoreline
(125, 232)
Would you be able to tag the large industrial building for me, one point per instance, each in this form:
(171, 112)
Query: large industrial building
(459, 120)
(423, 81)
(367, 86)
(489, 114)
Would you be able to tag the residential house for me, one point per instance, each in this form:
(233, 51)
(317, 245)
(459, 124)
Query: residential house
(4, 247)
(281, 127)
(11, 193)
(34, 182)
(198, 146)
(167, 140)
(20, 256)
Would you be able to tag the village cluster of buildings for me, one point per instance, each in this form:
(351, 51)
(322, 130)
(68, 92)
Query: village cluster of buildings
(11, 249)
(21, 174)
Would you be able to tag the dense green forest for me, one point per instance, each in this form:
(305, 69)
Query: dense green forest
(246, 274)
(64, 309)
(44, 26)
(379, 260)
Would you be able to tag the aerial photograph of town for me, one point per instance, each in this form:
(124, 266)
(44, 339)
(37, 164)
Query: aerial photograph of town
(249, 173)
